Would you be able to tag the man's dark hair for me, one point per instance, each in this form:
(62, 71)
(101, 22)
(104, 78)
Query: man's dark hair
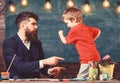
(25, 16)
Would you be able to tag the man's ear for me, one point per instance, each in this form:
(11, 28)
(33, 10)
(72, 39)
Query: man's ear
(23, 26)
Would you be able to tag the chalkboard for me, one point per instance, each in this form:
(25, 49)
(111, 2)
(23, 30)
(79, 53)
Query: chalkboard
(50, 23)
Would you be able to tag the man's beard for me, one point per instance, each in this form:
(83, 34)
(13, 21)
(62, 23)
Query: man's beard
(32, 36)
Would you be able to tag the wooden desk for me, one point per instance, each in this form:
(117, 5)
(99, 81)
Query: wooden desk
(56, 81)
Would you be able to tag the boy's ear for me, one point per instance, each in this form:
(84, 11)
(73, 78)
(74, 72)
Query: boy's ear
(73, 19)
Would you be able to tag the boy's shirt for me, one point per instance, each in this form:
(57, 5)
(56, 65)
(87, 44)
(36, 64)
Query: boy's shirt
(82, 37)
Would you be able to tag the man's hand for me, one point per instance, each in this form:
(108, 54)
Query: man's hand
(52, 60)
(55, 71)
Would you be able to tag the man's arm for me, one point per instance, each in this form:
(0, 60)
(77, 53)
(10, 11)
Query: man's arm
(25, 67)
(18, 64)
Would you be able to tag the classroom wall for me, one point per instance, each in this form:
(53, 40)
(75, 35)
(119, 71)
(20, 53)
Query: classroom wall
(50, 23)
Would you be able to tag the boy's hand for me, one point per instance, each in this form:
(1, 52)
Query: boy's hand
(60, 32)
(62, 37)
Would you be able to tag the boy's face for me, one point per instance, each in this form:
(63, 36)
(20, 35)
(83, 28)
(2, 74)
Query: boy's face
(70, 23)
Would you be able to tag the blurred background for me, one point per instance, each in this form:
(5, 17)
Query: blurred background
(104, 14)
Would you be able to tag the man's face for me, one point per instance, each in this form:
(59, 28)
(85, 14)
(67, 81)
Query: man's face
(31, 30)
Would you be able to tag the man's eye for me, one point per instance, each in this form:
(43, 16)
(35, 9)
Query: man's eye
(33, 23)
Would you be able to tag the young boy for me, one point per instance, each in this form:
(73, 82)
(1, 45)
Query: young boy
(83, 37)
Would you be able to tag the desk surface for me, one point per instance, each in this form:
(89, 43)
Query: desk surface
(56, 81)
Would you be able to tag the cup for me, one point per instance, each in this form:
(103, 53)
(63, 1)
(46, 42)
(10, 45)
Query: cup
(5, 75)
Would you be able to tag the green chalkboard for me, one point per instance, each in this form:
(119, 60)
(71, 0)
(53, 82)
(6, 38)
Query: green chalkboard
(50, 23)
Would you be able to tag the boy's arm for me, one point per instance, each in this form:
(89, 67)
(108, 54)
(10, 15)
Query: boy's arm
(60, 33)
(99, 32)
(95, 32)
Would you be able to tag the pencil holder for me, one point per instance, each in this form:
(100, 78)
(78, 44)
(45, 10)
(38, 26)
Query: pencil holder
(5, 75)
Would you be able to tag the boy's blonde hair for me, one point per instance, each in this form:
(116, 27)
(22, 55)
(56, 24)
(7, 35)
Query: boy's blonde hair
(72, 13)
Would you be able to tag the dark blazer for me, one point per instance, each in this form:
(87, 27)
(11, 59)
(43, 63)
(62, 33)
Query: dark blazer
(26, 62)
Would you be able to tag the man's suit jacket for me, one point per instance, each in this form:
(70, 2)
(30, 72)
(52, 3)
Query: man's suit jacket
(26, 62)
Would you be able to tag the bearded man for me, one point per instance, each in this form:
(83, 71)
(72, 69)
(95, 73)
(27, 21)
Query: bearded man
(23, 53)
